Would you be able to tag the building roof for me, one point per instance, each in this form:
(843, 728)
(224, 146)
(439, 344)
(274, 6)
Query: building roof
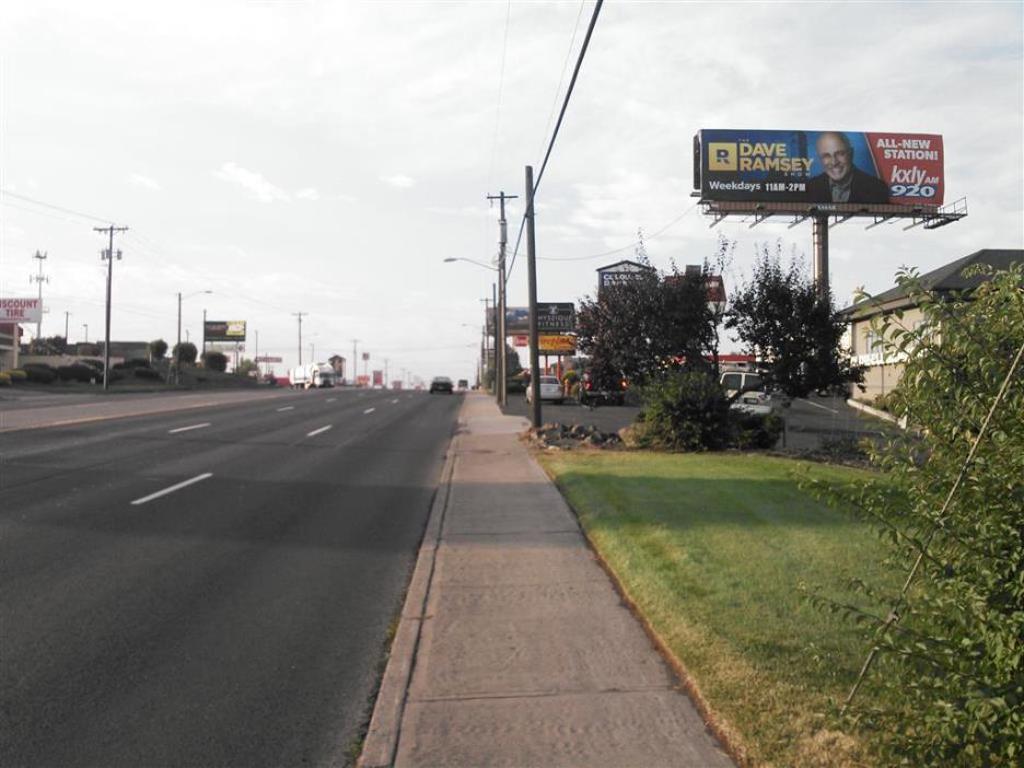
(623, 263)
(945, 279)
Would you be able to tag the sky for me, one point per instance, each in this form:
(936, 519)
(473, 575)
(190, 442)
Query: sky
(326, 157)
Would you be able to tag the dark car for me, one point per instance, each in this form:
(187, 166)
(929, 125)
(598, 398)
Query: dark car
(441, 384)
(606, 388)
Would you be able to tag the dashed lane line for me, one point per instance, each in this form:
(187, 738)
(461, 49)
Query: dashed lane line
(188, 429)
(318, 431)
(369, 410)
(286, 408)
(173, 488)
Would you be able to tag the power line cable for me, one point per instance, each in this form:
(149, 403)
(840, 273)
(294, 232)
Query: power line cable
(501, 87)
(558, 125)
(632, 245)
(62, 209)
(561, 77)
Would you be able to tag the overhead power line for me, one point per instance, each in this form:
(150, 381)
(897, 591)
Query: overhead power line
(62, 209)
(558, 125)
(631, 246)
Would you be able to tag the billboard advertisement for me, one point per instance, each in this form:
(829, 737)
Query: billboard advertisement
(20, 310)
(820, 167)
(224, 330)
(556, 317)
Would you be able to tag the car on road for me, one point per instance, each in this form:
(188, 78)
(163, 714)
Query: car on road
(463, 385)
(753, 397)
(550, 389)
(441, 384)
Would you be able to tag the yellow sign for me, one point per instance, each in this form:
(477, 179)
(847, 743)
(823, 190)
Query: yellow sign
(556, 343)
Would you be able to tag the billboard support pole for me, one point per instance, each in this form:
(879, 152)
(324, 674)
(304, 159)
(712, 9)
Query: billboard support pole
(531, 263)
(820, 238)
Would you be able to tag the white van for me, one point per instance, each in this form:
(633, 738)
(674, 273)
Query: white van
(754, 399)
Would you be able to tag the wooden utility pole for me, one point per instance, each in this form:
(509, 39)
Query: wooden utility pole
(531, 264)
(502, 387)
(109, 256)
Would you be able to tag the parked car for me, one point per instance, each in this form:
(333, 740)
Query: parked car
(754, 398)
(550, 389)
(596, 388)
(441, 384)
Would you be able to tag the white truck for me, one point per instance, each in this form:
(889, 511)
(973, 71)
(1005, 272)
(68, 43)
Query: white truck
(312, 375)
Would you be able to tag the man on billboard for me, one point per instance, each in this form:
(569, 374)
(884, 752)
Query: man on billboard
(841, 181)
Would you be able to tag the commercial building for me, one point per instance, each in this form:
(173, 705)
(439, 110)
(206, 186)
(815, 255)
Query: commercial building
(883, 370)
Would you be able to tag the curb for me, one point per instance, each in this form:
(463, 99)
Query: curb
(381, 743)
(901, 423)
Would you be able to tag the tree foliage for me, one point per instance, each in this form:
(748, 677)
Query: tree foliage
(655, 321)
(157, 349)
(780, 318)
(246, 367)
(187, 351)
(215, 361)
(955, 655)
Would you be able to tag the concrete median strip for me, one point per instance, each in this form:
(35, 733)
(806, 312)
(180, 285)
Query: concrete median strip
(173, 488)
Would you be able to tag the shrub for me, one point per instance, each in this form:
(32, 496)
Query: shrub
(754, 430)
(17, 375)
(684, 410)
(215, 361)
(136, 362)
(5, 379)
(952, 649)
(148, 374)
(158, 348)
(77, 372)
(40, 373)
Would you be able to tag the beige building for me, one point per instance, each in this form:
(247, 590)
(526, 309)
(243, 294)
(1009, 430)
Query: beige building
(883, 370)
(10, 338)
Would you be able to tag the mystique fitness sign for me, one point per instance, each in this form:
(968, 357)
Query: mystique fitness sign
(820, 167)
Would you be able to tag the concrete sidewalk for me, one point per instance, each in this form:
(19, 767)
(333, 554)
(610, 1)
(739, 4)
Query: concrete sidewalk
(514, 648)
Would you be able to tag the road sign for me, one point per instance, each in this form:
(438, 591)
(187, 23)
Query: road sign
(556, 318)
(560, 343)
(268, 359)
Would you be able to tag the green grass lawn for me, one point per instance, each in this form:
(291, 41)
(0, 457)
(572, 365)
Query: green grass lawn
(713, 549)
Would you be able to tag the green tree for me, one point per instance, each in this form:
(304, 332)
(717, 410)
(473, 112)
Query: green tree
(951, 506)
(780, 318)
(655, 321)
(186, 352)
(157, 349)
(215, 361)
(246, 367)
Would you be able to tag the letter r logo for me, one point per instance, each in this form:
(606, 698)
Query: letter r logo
(722, 156)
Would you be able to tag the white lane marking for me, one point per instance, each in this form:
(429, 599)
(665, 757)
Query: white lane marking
(173, 488)
(186, 429)
(819, 405)
(286, 408)
(395, 400)
(332, 399)
(318, 431)
(369, 410)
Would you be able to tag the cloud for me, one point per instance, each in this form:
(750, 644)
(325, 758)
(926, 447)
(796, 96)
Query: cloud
(307, 193)
(399, 180)
(262, 189)
(138, 180)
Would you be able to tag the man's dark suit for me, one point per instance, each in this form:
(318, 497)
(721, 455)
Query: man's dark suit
(864, 188)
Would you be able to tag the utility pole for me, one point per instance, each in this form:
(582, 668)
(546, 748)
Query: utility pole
(300, 316)
(531, 264)
(67, 320)
(86, 326)
(483, 341)
(204, 335)
(109, 256)
(355, 364)
(385, 373)
(502, 246)
(40, 279)
(497, 365)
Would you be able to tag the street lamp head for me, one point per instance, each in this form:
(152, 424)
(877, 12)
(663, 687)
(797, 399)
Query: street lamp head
(451, 259)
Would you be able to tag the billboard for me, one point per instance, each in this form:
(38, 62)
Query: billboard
(21, 310)
(820, 167)
(378, 378)
(224, 330)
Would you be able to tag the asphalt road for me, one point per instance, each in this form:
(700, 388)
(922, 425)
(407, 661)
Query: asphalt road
(212, 586)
